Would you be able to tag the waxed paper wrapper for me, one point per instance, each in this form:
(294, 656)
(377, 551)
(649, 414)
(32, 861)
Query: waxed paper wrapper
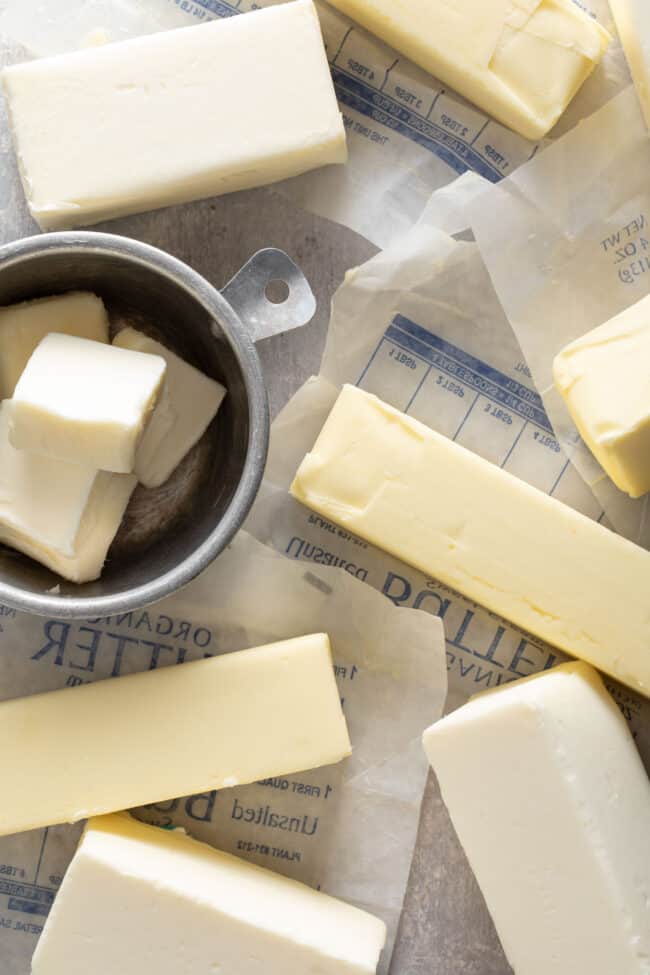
(408, 135)
(420, 326)
(569, 249)
(352, 826)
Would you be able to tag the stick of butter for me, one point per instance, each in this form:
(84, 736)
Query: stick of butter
(187, 405)
(175, 116)
(632, 19)
(604, 379)
(85, 402)
(141, 899)
(551, 802)
(237, 718)
(521, 61)
(23, 326)
(437, 506)
(63, 515)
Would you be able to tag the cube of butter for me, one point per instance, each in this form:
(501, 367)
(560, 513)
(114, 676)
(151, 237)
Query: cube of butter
(141, 899)
(23, 326)
(85, 403)
(604, 378)
(63, 515)
(187, 405)
(551, 802)
(521, 61)
(175, 116)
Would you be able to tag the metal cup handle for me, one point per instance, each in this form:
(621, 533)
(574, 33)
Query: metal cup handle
(270, 294)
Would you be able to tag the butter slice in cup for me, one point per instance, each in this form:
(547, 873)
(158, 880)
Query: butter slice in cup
(604, 379)
(174, 116)
(138, 899)
(64, 516)
(24, 325)
(85, 402)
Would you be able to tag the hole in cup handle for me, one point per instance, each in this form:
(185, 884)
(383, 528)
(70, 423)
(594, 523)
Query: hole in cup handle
(270, 294)
(277, 291)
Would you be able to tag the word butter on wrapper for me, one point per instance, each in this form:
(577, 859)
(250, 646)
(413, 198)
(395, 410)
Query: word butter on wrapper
(238, 718)
(175, 116)
(137, 898)
(604, 379)
(460, 519)
(521, 61)
(551, 802)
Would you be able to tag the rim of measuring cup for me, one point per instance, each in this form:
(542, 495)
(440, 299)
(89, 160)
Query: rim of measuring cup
(182, 276)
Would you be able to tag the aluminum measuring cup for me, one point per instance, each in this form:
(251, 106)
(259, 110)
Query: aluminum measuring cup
(172, 533)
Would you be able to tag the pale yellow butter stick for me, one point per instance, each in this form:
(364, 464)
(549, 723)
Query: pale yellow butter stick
(188, 403)
(140, 899)
(632, 19)
(604, 379)
(230, 720)
(521, 61)
(551, 802)
(462, 520)
(174, 116)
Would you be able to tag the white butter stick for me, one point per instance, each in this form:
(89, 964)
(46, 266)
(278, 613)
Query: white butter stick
(188, 403)
(63, 515)
(632, 19)
(175, 116)
(604, 378)
(460, 519)
(238, 718)
(551, 802)
(137, 898)
(521, 61)
(85, 402)
(23, 326)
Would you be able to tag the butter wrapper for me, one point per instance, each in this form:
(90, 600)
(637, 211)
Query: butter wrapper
(349, 829)
(570, 249)
(420, 325)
